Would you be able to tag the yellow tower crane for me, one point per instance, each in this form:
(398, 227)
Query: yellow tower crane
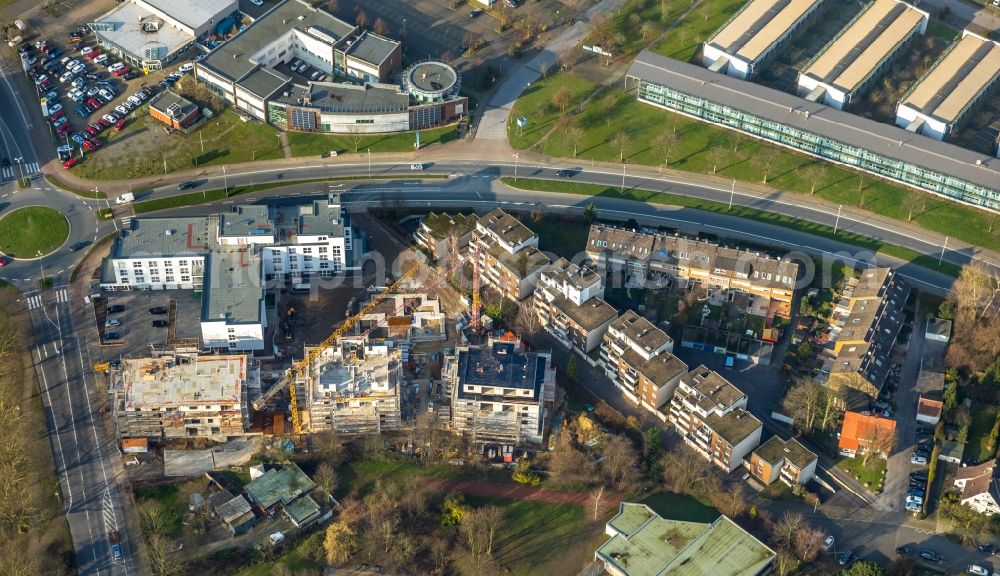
(300, 366)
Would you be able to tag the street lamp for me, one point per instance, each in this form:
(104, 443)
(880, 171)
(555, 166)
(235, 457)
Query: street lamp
(41, 265)
(517, 156)
(225, 182)
(369, 163)
(837, 223)
(404, 27)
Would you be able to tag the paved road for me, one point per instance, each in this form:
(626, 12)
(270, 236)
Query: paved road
(83, 457)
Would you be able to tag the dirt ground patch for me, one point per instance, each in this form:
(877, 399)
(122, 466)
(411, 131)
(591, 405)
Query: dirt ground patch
(521, 492)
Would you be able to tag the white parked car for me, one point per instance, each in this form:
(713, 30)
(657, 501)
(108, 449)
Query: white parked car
(828, 543)
(257, 2)
(187, 67)
(111, 118)
(115, 66)
(79, 68)
(86, 50)
(54, 108)
(977, 570)
(134, 101)
(113, 322)
(121, 110)
(101, 59)
(140, 95)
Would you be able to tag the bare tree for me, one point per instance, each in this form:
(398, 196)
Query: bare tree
(528, 324)
(802, 403)
(574, 136)
(355, 132)
(600, 30)
(664, 143)
(362, 18)
(326, 481)
(808, 543)
(595, 501)
(877, 442)
(332, 6)
(765, 159)
(784, 529)
(380, 27)
(812, 173)
(440, 549)
(648, 29)
(732, 502)
(686, 471)
(717, 155)
(620, 457)
(784, 562)
(621, 142)
(913, 202)
(562, 99)
(163, 561)
(479, 527)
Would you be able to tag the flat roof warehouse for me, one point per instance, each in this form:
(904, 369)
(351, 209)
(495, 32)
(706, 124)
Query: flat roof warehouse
(825, 121)
(759, 25)
(945, 92)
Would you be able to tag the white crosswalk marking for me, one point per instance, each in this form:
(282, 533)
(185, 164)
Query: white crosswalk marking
(62, 296)
(8, 173)
(126, 222)
(34, 301)
(30, 168)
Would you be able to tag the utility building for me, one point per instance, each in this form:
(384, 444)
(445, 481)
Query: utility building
(952, 88)
(849, 64)
(741, 45)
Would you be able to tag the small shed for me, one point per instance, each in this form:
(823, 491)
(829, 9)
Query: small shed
(237, 515)
(951, 451)
(135, 445)
(938, 330)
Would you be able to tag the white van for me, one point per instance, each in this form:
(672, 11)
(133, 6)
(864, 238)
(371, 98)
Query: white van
(276, 538)
(125, 199)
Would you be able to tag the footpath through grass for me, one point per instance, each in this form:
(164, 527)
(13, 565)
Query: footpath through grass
(654, 137)
(738, 211)
(28, 231)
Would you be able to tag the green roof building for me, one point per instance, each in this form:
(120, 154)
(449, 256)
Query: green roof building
(286, 488)
(645, 544)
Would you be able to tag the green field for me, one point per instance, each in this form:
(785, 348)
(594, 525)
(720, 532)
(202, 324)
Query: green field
(871, 476)
(26, 232)
(315, 144)
(140, 150)
(906, 254)
(681, 507)
(535, 105)
(686, 38)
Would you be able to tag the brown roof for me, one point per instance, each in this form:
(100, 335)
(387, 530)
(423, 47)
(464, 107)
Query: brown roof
(967, 472)
(590, 315)
(505, 226)
(640, 331)
(714, 391)
(979, 484)
(929, 407)
(776, 449)
(659, 369)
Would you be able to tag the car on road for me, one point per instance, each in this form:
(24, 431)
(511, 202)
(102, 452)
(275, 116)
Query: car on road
(116, 309)
(828, 543)
(987, 548)
(847, 558)
(110, 337)
(116, 550)
(931, 556)
(4, 261)
(921, 460)
(187, 185)
(157, 310)
(69, 163)
(565, 173)
(904, 551)
(476, 12)
(160, 323)
(76, 246)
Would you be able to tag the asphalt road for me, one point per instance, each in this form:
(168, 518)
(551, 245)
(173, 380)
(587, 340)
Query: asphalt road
(83, 457)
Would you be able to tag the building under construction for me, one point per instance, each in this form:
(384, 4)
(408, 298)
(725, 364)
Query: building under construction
(500, 393)
(353, 387)
(404, 317)
(183, 395)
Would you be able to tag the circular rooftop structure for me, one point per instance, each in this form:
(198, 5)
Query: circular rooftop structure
(432, 81)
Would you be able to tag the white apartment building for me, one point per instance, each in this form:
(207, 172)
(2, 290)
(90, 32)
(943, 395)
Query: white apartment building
(182, 396)
(711, 417)
(568, 301)
(354, 387)
(228, 257)
(500, 393)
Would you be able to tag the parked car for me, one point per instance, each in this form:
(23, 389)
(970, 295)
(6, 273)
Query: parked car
(116, 308)
(119, 125)
(111, 337)
(987, 548)
(157, 310)
(931, 556)
(101, 59)
(186, 67)
(904, 551)
(131, 75)
(921, 460)
(828, 543)
(111, 118)
(160, 323)
(86, 50)
(53, 109)
(847, 558)
(112, 322)
(977, 570)
(475, 12)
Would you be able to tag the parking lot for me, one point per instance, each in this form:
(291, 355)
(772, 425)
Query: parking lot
(135, 328)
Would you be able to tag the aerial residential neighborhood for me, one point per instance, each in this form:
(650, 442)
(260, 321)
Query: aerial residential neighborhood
(486, 287)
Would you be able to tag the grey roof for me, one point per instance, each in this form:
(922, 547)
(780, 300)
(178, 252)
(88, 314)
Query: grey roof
(590, 315)
(781, 107)
(232, 59)
(501, 364)
(193, 13)
(246, 220)
(234, 510)
(372, 48)
(127, 33)
(325, 219)
(232, 286)
(161, 237)
(264, 82)
(432, 77)
(346, 98)
(164, 100)
(640, 331)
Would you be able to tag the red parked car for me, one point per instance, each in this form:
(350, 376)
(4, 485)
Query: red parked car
(119, 125)
(69, 163)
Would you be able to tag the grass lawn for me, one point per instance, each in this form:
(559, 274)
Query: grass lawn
(362, 476)
(564, 238)
(983, 417)
(315, 144)
(169, 496)
(27, 231)
(684, 40)
(924, 260)
(226, 138)
(296, 559)
(755, 323)
(708, 149)
(681, 507)
(872, 476)
(541, 539)
(535, 104)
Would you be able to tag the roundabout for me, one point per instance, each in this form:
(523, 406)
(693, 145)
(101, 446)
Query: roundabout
(32, 231)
